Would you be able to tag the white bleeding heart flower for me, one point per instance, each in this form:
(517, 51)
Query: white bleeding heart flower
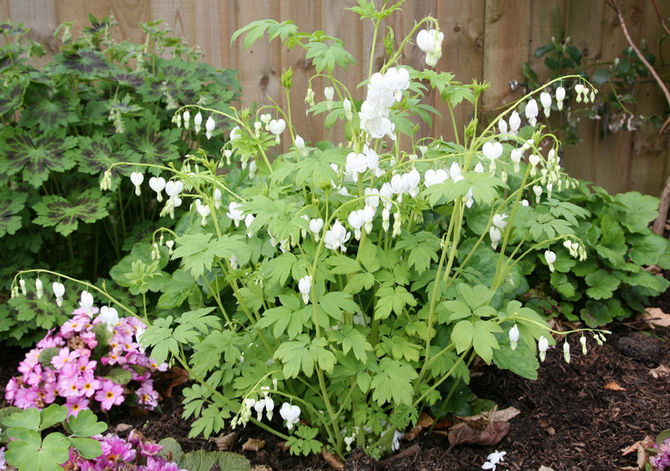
(336, 237)
(299, 143)
(315, 226)
(537, 189)
(355, 165)
(492, 150)
(495, 235)
(39, 288)
(209, 127)
(412, 179)
(502, 126)
(235, 213)
(305, 286)
(158, 185)
(469, 201)
(329, 93)
(499, 220)
(514, 122)
(197, 122)
(566, 351)
(203, 211)
(187, 119)
(550, 258)
(545, 100)
(109, 316)
(290, 413)
(86, 303)
(435, 177)
(248, 220)
(531, 112)
(479, 168)
(22, 284)
(137, 178)
(455, 172)
(173, 188)
(277, 127)
(59, 291)
(515, 157)
(356, 220)
(368, 216)
(371, 197)
(560, 96)
(217, 198)
(514, 337)
(542, 346)
(430, 42)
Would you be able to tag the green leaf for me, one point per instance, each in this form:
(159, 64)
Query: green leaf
(637, 212)
(325, 57)
(335, 302)
(393, 381)
(36, 154)
(202, 460)
(595, 314)
(521, 361)
(483, 340)
(343, 265)
(89, 448)
(11, 204)
(612, 244)
(646, 249)
(176, 290)
(421, 248)
(462, 335)
(119, 376)
(601, 76)
(55, 210)
(27, 419)
(278, 269)
(198, 251)
(256, 29)
(171, 449)
(37, 455)
(85, 424)
(602, 284)
(159, 336)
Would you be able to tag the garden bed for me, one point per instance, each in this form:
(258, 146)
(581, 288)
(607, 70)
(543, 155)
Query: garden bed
(569, 420)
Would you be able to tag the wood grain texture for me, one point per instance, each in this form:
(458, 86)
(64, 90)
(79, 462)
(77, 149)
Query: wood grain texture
(484, 39)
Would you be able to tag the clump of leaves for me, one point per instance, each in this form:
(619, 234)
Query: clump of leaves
(97, 102)
(616, 80)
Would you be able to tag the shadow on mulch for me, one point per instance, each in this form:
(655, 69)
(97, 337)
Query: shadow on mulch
(568, 420)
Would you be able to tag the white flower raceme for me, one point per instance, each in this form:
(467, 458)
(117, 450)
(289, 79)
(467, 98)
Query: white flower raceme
(545, 100)
(305, 286)
(550, 258)
(197, 122)
(430, 42)
(495, 235)
(514, 337)
(137, 178)
(435, 177)
(336, 237)
(209, 127)
(383, 92)
(542, 346)
(86, 303)
(39, 289)
(514, 122)
(59, 291)
(158, 185)
(532, 112)
(290, 413)
(560, 96)
(109, 316)
(235, 213)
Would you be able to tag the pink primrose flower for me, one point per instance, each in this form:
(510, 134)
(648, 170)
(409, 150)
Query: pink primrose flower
(25, 398)
(87, 384)
(110, 394)
(75, 405)
(64, 356)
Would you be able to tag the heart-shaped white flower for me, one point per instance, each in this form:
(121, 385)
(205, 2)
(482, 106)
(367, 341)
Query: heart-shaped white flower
(492, 150)
(291, 414)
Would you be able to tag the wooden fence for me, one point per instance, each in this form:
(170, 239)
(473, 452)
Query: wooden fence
(484, 39)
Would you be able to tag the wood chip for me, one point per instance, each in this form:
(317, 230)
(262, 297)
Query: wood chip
(122, 428)
(332, 460)
(224, 442)
(641, 449)
(253, 444)
(545, 468)
(261, 467)
(660, 371)
(614, 386)
(655, 317)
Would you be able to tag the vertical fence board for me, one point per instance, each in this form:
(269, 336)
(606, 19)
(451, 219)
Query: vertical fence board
(506, 35)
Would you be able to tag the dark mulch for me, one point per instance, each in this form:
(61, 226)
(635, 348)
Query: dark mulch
(568, 420)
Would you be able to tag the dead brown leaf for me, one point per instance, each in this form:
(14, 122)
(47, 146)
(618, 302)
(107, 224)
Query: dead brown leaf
(614, 386)
(253, 444)
(660, 371)
(465, 433)
(493, 415)
(172, 378)
(424, 421)
(545, 468)
(641, 448)
(120, 428)
(655, 317)
(332, 460)
(224, 442)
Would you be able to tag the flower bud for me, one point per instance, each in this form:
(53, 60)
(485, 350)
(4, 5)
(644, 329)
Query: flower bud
(514, 337)
(566, 351)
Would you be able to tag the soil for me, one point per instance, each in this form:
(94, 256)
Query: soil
(576, 416)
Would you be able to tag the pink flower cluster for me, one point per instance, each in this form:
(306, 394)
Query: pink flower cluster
(118, 455)
(662, 459)
(75, 375)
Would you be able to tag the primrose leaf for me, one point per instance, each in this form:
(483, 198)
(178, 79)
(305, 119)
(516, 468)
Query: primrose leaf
(37, 154)
(11, 204)
(52, 415)
(203, 460)
(89, 448)
(30, 452)
(55, 210)
(26, 419)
